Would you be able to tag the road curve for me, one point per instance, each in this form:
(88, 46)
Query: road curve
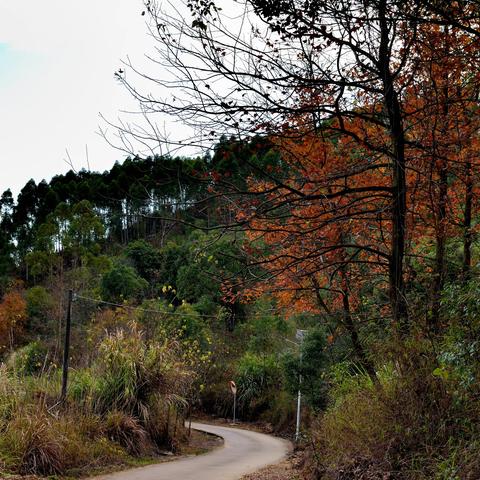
(243, 452)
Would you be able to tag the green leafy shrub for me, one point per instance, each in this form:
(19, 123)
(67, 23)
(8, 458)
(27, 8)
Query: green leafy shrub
(190, 325)
(146, 259)
(122, 283)
(281, 413)
(259, 378)
(311, 366)
(39, 306)
(204, 285)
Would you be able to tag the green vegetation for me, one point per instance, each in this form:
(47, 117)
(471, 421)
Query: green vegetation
(153, 336)
(163, 319)
(330, 247)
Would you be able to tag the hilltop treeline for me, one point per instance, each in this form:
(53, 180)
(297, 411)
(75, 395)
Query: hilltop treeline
(139, 198)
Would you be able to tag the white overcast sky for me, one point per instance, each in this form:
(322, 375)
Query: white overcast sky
(57, 60)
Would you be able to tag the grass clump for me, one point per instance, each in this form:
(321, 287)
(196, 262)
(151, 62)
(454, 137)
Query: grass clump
(127, 432)
(128, 403)
(33, 444)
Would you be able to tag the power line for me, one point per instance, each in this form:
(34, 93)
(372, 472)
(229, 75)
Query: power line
(203, 315)
(141, 309)
(161, 312)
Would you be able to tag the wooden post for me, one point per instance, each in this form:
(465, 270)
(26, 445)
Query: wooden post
(66, 349)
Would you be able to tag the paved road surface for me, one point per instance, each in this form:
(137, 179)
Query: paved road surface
(243, 452)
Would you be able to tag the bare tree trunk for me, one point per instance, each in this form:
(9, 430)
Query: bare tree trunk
(349, 324)
(439, 273)
(399, 187)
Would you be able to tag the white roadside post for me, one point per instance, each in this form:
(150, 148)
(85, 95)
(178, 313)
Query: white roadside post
(300, 335)
(233, 389)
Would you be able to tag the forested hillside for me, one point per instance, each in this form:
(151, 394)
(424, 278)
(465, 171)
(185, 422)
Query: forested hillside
(159, 325)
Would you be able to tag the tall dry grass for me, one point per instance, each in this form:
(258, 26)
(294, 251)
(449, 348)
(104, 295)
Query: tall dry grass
(130, 402)
(415, 425)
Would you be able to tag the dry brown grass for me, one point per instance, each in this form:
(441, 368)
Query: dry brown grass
(39, 446)
(127, 431)
(415, 427)
(127, 405)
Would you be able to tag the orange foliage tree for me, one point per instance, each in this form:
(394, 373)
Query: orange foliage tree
(444, 133)
(328, 224)
(13, 315)
(372, 107)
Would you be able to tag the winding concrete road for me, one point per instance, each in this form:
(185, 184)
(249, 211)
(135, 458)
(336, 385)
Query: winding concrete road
(242, 452)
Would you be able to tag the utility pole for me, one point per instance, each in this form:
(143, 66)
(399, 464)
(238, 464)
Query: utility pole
(66, 348)
(299, 336)
(299, 405)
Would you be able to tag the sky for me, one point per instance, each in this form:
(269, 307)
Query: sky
(57, 64)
